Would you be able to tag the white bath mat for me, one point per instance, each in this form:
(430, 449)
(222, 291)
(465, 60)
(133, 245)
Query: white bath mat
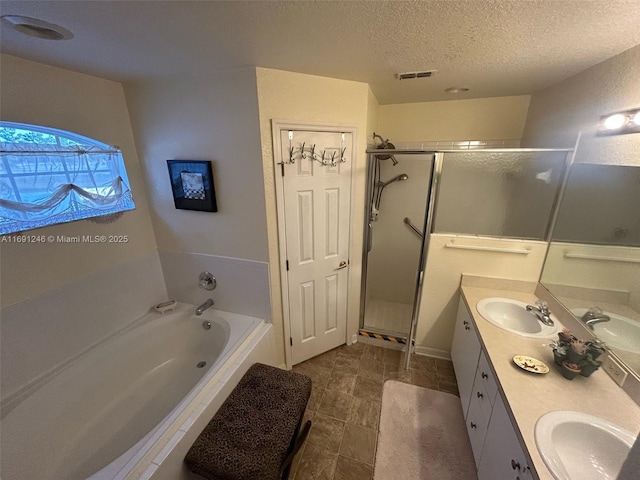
(422, 436)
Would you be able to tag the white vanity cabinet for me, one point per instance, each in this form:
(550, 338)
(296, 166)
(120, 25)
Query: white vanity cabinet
(465, 351)
(496, 448)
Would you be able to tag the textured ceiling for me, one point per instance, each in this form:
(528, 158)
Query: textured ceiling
(494, 47)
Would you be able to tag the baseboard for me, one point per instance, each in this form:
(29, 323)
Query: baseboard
(433, 352)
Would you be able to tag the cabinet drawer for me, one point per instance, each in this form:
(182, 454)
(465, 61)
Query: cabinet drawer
(484, 377)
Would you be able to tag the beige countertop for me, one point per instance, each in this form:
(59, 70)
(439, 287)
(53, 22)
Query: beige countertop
(528, 396)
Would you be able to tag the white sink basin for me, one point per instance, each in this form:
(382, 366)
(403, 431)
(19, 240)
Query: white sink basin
(620, 332)
(511, 315)
(577, 446)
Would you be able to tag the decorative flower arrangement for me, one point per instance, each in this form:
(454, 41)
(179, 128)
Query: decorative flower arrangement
(576, 356)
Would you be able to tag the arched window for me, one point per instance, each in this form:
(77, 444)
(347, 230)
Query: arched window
(50, 176)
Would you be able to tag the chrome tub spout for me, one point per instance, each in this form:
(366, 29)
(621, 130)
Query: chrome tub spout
(204, 306)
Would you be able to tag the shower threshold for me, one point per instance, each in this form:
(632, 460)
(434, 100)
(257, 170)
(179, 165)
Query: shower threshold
(388, 337)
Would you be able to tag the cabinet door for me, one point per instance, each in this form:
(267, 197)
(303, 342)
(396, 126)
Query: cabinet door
(502, 455)
(477, 423)
(465, 351)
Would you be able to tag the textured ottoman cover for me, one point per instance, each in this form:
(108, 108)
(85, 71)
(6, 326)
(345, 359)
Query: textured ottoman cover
(249, 436)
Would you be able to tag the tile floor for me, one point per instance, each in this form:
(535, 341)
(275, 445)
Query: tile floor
(345, 407)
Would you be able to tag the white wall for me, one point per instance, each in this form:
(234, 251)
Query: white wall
(43, 95)
(558, 113)
(60, 298)
(297, 97)
(473, 119)
(440, 291)
(373, 111)
(216, 119)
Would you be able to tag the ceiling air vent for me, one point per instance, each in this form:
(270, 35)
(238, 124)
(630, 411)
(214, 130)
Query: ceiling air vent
(408, 75)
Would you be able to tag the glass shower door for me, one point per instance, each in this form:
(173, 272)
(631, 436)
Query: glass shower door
(397, 209)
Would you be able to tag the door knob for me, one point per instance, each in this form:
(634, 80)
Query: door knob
(343, 264)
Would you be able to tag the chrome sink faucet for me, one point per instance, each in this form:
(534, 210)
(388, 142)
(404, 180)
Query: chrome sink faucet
(594, 315)
(204, 306)
(541, 310)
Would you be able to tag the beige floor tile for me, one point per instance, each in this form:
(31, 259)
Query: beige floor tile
(326, 432)
(396, 372)
(370, 368)
(348, 469)
(358, 443)
(314, 399)
(319, 375)
(374, 352)
(316, 463)
(347, 363)
(335, 404)
(364, 413)
(295, 463)
(424, 379)
(355, 349)
(449, 387)
(324, 360)
(368, 388)
(342, 382)
(395, 357)
(422, 362)
(444, 368)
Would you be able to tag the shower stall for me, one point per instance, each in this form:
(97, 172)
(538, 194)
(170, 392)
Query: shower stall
(413, 194)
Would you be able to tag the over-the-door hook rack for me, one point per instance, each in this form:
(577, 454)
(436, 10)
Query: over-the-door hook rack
(303, 152)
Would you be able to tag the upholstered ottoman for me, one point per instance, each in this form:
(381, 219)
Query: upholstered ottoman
(255, 433)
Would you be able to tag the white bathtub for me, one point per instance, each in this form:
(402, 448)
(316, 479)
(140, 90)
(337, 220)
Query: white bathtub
(94, 416)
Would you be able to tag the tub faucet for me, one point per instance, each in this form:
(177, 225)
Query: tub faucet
(594, 315)
(541, 310)
(204, 306)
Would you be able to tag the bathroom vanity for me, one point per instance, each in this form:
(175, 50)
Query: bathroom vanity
(502, 403)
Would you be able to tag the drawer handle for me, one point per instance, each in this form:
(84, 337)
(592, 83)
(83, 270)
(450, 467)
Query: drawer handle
(479, 395)
(466, 327)
(465, 322)
(473, 425)
(515, 465)
(484, 375)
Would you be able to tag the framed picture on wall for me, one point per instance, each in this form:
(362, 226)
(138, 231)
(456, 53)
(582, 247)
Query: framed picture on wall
(192, 185)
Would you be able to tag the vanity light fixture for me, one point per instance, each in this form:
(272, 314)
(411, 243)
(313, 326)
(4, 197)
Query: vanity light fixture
(620, 123)
(37, 28)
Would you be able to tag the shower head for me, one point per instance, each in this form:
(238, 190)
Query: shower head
(385, 144)
(401, 177)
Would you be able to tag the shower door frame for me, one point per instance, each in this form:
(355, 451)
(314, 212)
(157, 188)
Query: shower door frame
(426, 227)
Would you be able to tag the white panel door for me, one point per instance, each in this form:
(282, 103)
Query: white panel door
(317, 201)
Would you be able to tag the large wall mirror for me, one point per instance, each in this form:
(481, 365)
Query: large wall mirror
(593, 262)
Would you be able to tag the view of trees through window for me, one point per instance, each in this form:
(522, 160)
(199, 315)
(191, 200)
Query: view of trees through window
(18, 135)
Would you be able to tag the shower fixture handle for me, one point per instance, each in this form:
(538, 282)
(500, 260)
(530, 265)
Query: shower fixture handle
(207, 281)
(343, 264)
